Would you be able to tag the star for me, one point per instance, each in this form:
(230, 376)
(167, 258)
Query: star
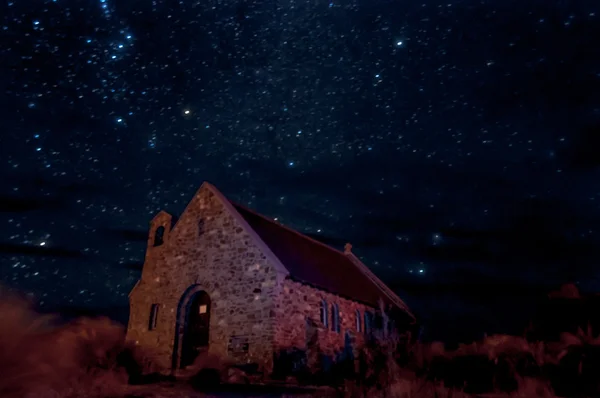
(452, 164)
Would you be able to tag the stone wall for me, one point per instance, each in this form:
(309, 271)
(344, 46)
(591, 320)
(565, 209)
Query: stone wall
(298, 314)
(218, 256)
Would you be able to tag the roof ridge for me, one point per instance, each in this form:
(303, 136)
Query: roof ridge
(379, 283)
(272, 221)
(351, 257)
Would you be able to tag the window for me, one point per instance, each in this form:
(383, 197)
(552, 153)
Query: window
(153, 317)
(335, 318)
(368, 321)
(358, 321)
(324, 313)
(202, 309)
(378, 321)
(201, 227)
(159, 236)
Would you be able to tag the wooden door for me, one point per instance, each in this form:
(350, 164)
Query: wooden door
(197, 328)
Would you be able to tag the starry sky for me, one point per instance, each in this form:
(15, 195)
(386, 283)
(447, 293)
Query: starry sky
(454, 144)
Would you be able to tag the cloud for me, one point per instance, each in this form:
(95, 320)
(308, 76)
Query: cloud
(552, 74)
(39, 251)
(583, 148)
(131, 235)
(529, 234)
(470, 283)
(19, 204)
(30, 192)
(34, 183)
(462, 303)
(132, 265)
(517, 229)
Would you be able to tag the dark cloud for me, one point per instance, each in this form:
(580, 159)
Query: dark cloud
(31, 192)
(12, 249)
(519, 232)
(19, 204)
(462, 303)
(468, 283)
(122, 234)
(484, 271)
(355, 185)
(584, 146)
(473, 282)
(35, 182)
(132, 265)
(533, 233)
(556, 72)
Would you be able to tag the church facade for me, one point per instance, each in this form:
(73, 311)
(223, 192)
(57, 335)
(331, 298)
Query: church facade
(228, 281)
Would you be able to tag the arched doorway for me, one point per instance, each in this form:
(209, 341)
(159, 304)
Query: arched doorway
(196, 328)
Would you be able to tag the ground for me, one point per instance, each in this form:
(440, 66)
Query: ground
(181, 390)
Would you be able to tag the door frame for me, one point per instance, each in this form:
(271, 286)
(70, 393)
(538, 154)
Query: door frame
(181, 322)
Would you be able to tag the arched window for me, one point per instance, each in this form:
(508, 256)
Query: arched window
(335, 318)
(159, 236)
(378, 321)
(358, 321)
(391, 327)
(200, 227)
(324, 313)
(153, 316)
(368, 321)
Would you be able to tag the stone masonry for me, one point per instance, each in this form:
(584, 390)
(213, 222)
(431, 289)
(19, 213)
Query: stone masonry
(210, 249)
(221, 260)
(300, 304)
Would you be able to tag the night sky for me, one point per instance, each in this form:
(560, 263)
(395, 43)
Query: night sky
(455, 144)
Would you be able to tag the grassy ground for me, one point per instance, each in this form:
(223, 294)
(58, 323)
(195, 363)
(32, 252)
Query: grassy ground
(88, 358)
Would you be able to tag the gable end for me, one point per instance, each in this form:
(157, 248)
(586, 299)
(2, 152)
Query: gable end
(262, 246)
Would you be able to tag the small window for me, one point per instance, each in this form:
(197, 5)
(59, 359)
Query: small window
(324, 313)
(335, 318)
(378, 321)
(368, 321)
(201, 227)
(391, 327)
(159, 236)
(358, 321)
(202, 309)
(153, 317)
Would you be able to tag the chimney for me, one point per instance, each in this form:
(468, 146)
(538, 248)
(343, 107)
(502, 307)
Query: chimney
(347, 248)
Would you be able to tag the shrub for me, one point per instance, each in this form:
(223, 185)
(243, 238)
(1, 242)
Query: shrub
(86, 357)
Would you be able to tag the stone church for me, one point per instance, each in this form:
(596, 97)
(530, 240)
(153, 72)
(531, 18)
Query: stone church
(225, 280)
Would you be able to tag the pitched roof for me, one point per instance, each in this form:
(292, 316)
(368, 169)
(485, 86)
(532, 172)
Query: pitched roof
(314, 263)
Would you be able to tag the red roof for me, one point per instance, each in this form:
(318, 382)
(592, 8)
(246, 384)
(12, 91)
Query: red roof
(315, 263)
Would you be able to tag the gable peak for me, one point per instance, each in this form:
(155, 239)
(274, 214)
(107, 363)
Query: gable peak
(161, 215)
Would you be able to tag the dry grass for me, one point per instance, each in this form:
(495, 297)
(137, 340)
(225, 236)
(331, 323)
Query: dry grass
(89, 358)
(84, 358)
(385, 378)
